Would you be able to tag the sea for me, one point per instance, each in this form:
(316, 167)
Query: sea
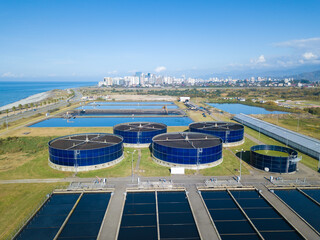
(11, 92)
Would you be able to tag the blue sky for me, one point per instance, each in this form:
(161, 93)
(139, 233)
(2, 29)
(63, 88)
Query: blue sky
(93, 38)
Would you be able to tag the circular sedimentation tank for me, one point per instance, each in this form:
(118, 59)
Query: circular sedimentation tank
(84, 152)
(139, 134)
(230, 133)
(273, 158)
(190, 150)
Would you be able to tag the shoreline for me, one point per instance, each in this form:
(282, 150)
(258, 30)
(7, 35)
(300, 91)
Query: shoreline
(31, 99)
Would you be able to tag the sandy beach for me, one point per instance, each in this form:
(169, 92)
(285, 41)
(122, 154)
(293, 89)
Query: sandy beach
(31, 99)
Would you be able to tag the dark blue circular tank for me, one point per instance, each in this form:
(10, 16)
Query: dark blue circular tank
(274, 158)
(229, 132)
(85, 149)
(187, 148)
(139, 132)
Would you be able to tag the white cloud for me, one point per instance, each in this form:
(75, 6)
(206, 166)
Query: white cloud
(261, 59)
(300, 43)
(160, 69)
(8, 75)
(309, 56)
(303, 52)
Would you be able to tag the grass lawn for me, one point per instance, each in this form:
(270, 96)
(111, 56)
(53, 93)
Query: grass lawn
(180, 105)
(178, 129)
(122, 169)
(17, 202)
(309, 127)
(148, 168)
(26, 157)
(246, 146)
(57, 131)
(198, 117)
(229, 167)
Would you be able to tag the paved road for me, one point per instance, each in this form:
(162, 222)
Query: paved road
(63, 103)
(29, 113)
(77, 95)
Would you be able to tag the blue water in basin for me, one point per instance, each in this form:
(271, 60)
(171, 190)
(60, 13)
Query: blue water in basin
(237, 108)
(132, 103)
(126, 107)
(110, 121)
(305, 207)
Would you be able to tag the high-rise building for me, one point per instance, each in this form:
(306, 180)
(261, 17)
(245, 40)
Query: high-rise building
(107, 81)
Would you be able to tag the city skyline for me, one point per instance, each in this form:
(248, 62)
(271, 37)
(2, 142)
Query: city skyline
(80, 39)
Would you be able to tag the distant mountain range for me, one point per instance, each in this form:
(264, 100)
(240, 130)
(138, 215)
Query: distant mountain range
(311, 73)
(311, 76)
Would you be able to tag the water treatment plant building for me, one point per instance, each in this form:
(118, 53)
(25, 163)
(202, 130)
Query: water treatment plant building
(230, 133)
(139, 134)
(84, 152)
(190, 150)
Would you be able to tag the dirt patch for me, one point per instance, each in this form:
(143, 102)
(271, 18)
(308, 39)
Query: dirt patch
(10, 161)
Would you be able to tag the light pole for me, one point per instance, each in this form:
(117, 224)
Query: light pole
(317, 144)
(240, 163)
(76, 153)
(131, 164)
(319, 162)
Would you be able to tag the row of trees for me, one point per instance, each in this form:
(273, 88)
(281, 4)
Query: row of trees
(30, 105)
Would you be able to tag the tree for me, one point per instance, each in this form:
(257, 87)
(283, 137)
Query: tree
(271, 103)
(26, 106)
(20, 107)
(7, 111)
(14, 109)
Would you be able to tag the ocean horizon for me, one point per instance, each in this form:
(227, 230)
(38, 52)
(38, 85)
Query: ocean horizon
(11, 92)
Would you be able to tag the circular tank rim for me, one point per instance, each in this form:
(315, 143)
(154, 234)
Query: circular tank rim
(218, 130)
(81, 134)
(171, 133)
(252, 149)
(187, 166)
(87, 168)
(152, 130)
